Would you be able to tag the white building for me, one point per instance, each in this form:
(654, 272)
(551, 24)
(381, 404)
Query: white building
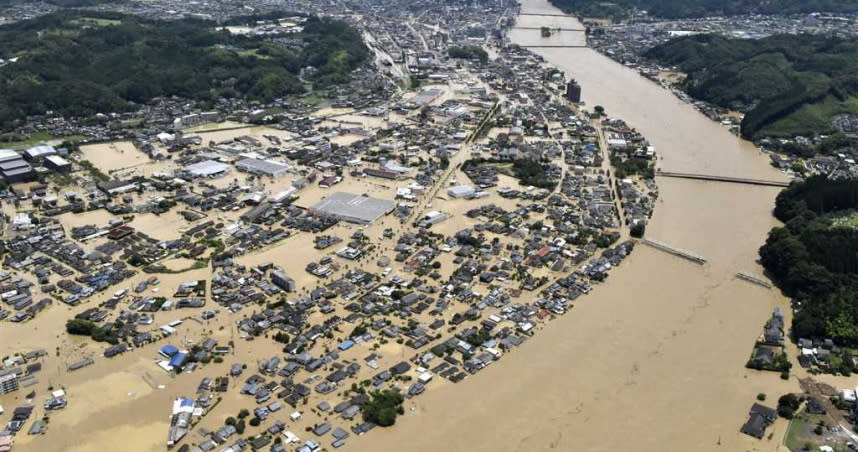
(461, 191)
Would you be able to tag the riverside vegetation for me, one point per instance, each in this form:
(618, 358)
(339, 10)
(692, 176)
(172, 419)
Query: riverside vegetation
(671, 9)
(814, 257)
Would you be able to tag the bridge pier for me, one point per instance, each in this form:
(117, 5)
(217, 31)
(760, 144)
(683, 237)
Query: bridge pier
(675, 251)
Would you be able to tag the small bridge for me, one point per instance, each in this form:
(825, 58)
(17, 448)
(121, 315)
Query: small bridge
(700, 260)
(543, 15)
(554, 47)
(753, 279)
(550, 28)
(733, 180)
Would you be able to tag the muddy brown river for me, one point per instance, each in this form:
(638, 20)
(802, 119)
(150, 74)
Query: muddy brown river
(653, 360)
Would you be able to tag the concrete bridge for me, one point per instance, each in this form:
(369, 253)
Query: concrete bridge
(544, 15)
(700, 260)
(554, 47)
(550, 28)
(733, 180)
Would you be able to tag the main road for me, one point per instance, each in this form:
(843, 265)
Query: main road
(652, 360)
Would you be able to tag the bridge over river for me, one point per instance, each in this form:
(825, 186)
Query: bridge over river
(734, 180)
(550, 28)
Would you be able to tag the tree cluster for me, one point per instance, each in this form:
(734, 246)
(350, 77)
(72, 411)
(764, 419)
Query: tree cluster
(815, 260)
(672, 9)
(383, 408)
(630, 166)
(468, 52)
(531, 172)
(81, 327)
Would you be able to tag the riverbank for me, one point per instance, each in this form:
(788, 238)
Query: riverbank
(654, 359)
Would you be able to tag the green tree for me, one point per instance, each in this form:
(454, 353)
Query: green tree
(383, 408)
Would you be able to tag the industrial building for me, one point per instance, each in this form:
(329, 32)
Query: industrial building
(208, 168)
(58, 164)
(13, 167)
(116, 187)
(262, 167)
(39, 152)
(359, 209)
(462, 191)
(433, 217)
(282, 281)
(384, 174)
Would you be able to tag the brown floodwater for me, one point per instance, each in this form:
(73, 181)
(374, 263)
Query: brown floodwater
(652, 360)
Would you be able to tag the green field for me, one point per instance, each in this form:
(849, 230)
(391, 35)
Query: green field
(35, 139)
(800, 433)
(811, 118)
(848, 221)
(253, 53)
(94, 22)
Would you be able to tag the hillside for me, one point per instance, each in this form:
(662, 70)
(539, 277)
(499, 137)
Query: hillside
(80, 63)
(672, 9)
(64, 3)
(787, 84)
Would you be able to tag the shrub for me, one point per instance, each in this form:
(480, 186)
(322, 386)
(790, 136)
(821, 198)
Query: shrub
(785, 412)
(80, 327)
(787, 405)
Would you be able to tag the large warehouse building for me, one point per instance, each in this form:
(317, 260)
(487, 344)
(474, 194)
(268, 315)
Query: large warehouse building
(13, 168)
(359, 209)
(208, 168)
(263, 167)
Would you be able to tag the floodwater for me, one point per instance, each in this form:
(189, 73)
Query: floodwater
(654, 359)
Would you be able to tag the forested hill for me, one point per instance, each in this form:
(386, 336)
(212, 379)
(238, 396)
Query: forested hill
(787, 84)
(672, 9)
(64, 3)
(80, 63)
(814, 257)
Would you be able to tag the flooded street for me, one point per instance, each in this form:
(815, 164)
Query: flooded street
(654, 359)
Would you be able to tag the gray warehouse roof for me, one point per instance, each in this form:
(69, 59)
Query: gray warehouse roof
(258, 166)
(353, 208)
(40, 151)
(57, 160)
(9, 154)
(207, 168)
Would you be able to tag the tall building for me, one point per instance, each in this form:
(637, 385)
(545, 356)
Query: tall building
(573, 92)
(8, 383)
(282, 281)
